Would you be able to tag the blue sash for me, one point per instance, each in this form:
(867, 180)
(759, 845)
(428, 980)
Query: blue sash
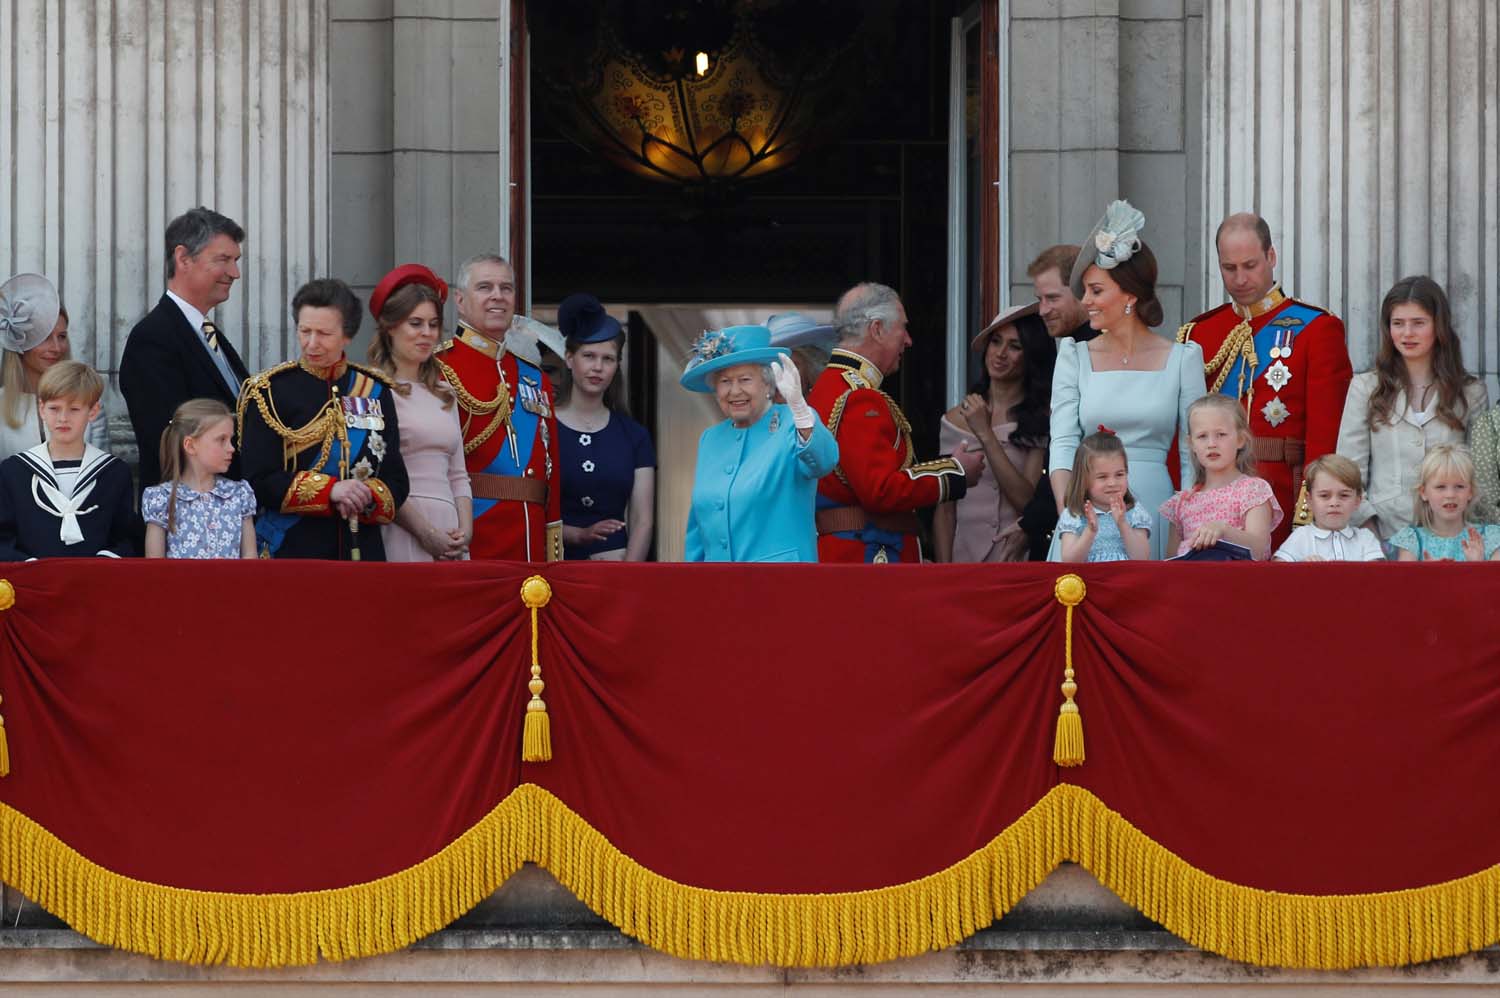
(523, 425)
(272, 525)
(1265, 339)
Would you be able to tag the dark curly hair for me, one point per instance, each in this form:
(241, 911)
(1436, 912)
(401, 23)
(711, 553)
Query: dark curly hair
(1033, 414)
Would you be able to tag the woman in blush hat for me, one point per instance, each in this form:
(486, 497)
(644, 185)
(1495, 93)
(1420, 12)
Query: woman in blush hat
(34, 335)
(608, 462)
(1006, 415)
(758, 471)
(436, 522)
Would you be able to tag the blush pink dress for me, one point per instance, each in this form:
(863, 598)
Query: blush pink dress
(432, 446)
(983, 514)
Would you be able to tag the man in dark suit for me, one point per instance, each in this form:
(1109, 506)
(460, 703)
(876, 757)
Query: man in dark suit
(176, 352)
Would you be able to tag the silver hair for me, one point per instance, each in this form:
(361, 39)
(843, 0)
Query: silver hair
(474, 261)
(193, 229)
(765, 373)
(863, 304)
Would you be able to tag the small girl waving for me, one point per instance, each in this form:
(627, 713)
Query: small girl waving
(196, 512)
(1101, 485)
(1445, 499)
(1228, 504)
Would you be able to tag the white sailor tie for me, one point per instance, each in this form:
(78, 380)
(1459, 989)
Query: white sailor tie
(64, 506)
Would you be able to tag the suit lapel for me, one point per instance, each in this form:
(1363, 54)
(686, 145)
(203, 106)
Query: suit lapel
(198, 350)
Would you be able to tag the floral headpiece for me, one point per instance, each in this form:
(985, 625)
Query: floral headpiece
(712, 343)
(1118, 237)
(29, 308)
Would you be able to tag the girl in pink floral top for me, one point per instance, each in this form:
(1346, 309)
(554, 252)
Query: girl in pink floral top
(1229, 503)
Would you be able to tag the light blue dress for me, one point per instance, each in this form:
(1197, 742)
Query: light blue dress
(1145, 408)
(1424, 543)
(1108, 544)
(754, 490)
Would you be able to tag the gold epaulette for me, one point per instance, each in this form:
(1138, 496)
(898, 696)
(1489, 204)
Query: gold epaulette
(443, 347)
(373, 372)
(1185, 332)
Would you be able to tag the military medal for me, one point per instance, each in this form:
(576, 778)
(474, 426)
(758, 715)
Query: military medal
(1275, 412)
(1278, 375)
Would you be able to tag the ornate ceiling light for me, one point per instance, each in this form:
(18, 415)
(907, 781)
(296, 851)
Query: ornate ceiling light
(696, 92)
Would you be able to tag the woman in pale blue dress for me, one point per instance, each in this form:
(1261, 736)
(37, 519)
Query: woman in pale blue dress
(1129, 379)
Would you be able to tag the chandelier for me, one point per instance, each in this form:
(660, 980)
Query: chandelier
(694, 92)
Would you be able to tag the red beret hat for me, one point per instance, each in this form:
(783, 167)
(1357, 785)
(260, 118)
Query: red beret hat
(407, 273)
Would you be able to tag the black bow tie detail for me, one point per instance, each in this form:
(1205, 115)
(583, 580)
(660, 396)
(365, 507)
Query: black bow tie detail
(211, 333)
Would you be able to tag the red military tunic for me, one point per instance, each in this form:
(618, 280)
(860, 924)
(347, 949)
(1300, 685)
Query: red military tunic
(867, 507)
(1288, 364)
(510, 448)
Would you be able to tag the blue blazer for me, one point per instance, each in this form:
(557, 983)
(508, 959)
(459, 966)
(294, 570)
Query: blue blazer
(754, 490)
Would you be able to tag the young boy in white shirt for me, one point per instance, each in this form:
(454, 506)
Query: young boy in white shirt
(1334, 490)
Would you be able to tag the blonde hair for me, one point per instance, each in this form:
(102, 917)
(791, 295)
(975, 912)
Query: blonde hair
(70, 379)
(13, 387)
(1338, 467)
(193, 418)
(1442, 458)
(1244, 458)
(1094, 445)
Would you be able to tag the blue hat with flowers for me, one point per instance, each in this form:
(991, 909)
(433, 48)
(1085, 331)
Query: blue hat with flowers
(728, 347)
(582, 319)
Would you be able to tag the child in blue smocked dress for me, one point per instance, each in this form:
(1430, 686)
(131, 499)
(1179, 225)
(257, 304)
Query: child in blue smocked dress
(1445, 497)
(1101, 482)
(197, 512)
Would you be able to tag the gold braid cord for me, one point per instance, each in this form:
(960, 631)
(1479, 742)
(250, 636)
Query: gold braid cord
(323, 429)
(499, 406)
(1239, 343)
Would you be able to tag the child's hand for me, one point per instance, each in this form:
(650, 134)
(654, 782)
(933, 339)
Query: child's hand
(1208, 535)
(1090, 516)
(1117, 512)
(1473, 545)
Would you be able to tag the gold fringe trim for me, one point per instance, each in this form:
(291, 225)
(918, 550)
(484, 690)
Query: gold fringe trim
(787, 930)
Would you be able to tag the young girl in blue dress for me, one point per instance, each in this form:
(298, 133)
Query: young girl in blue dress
(1100, 520)
(197, 512)
(1445, 499)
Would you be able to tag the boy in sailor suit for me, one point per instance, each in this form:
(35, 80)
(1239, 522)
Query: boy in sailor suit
(66, 498)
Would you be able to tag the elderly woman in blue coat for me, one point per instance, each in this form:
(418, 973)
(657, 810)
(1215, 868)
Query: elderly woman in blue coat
(758, 470)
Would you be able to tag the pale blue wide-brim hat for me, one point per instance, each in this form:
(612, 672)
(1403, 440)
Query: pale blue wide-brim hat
(728, 347)
(793, 329)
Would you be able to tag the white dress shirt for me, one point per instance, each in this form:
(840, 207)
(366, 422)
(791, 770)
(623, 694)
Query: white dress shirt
(1349, 544)
(196, 319)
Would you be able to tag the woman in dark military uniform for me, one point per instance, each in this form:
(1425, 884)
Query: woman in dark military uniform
(319, 441)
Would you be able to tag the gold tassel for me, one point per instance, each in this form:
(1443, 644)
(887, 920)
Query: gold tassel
(1067, 746)
(7, 600)
(536, 733)
(4, 751)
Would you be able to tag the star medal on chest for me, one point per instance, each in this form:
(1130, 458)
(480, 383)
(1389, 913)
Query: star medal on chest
(362, 413)
(1277, 376)
(533, 399)
(1275, 412)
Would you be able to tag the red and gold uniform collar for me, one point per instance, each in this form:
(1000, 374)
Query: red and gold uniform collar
(850, 359)
(1269, 303)
(473, 338)
(331, 373)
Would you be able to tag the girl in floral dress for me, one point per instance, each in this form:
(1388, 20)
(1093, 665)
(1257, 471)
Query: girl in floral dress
(1228, 503)
(197, 512)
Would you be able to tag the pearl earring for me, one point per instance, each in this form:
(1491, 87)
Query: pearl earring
(1129, 307)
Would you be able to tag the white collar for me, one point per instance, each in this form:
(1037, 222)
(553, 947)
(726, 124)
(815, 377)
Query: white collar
(1348, 533)
(43, 456)
(194, 317)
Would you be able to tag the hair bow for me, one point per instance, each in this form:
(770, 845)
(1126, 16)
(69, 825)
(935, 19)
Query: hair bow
(1118, 237)
(1107, 430)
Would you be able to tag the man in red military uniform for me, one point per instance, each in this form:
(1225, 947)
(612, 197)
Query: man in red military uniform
(1286, 361)
(866, 509)
(510, 432)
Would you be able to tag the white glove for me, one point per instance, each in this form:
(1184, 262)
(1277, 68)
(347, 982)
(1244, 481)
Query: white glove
(789, 384)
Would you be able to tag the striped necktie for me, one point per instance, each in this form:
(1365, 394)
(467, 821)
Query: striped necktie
(211, 333)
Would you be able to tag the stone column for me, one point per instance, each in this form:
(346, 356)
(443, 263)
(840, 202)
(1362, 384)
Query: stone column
(1366, 135)
(1064, 162)
(116, 115)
